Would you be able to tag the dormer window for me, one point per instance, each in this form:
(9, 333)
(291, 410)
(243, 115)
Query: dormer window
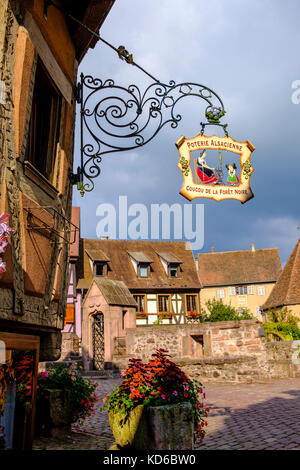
(173, 269)
(100, 268)
(170, 263)
(143, 269)
(98, 262)
(141, 263)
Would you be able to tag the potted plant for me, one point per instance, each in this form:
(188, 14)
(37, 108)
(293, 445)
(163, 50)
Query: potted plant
(157, 406)
(63, 397)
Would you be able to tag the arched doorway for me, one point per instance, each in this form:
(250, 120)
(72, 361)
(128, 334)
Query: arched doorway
(98, 341)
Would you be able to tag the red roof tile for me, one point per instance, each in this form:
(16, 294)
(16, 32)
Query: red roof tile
(287, 289)
(121, 267)
(239, 267)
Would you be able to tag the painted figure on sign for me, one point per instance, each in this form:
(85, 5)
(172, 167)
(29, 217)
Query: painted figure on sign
(232, 177)
(205, 173)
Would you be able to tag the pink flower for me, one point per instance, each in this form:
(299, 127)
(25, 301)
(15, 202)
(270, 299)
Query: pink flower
(46, 396)
(123, 374)
(73, 377)
(186, 387)
(3, 245)
(175, 393)
(163, 397)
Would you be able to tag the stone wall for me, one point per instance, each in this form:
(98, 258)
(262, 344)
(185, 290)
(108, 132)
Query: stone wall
(219, 352)
(218, 340)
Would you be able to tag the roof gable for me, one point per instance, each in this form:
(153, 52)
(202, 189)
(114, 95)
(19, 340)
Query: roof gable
(287, 289)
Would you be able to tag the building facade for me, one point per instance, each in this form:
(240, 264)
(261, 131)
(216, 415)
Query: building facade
(161, 279)
(244, 279)
(39, 55)
(286, 292)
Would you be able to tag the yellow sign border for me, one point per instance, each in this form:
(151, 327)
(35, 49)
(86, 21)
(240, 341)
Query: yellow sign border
(191, 190)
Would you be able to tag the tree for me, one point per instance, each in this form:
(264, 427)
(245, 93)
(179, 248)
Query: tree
(222, 312)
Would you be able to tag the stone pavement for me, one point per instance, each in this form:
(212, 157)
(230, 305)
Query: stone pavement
(246, 416)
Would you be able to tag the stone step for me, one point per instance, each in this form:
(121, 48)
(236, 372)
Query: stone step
(101, 374)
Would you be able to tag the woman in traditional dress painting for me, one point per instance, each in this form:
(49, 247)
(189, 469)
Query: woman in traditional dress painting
(205, 173)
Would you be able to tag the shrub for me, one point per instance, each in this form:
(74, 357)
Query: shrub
(222, 312)
(81, 391)
(158, 382)
(282, 330)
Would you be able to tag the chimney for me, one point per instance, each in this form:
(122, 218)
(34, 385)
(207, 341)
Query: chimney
(252, 247)
(212, 249)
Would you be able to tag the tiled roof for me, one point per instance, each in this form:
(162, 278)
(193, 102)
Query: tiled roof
(139, 256)
(239, 267)
(121, 267)
(97, 255)
(287, 289)
(115, 292)
(169, 257)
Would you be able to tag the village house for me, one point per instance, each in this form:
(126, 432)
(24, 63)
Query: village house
(244, 279)
(127, 284)
(286, 292)
(40, 49)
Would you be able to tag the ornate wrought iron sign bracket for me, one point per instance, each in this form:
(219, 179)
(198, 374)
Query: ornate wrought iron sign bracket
(114, 118)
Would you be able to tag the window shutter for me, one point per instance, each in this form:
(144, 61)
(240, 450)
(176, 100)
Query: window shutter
(69, 317)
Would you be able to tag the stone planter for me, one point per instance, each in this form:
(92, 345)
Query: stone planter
(168, 427)
(55, 414)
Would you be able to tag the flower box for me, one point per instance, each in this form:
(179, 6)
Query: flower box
(167, 427)
(156, 407)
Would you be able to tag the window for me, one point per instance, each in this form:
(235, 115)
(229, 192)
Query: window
(250, 290)
(143, 270)
(140, 300)
(257, 311)
(261, 290)
(191, 303)
(241, 290)
(44, 123)
(173, 270)
(100, 268)
(163, 303)
(220, 293)
(231, 290)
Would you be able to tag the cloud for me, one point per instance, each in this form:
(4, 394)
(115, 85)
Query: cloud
(248, 53)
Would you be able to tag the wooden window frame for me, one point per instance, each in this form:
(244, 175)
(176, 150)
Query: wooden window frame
(145, 302)
(147, 266)
(104, 266)
(42, 131)
(173, 266)
(168, 310)
(196, 303)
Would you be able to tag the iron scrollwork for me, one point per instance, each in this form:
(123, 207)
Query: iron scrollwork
(129, 119)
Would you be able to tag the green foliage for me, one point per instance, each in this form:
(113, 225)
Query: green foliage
(222, 312)
(282, 330)
(281, 324)
(276, 315)
(81, 391)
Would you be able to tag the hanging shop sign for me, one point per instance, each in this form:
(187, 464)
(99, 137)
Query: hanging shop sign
(215, 167)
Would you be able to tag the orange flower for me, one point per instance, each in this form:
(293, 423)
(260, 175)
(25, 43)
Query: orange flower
(104, 399)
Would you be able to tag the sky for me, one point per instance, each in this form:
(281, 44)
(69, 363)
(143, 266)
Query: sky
(248, 53)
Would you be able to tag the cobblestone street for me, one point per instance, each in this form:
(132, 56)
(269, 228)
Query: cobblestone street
(247, 416)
